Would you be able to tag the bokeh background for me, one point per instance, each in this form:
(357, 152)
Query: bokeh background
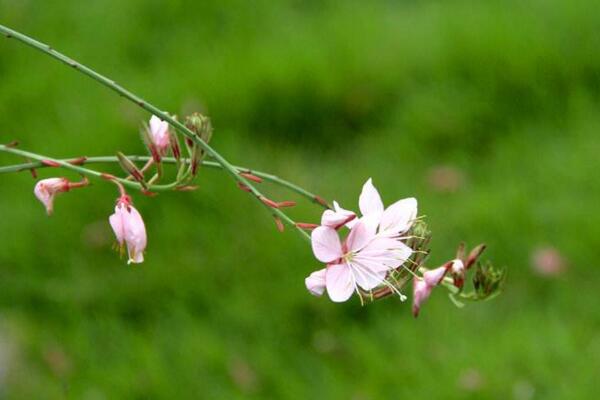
(488, 112)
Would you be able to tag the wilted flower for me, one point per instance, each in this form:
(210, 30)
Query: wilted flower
(159, 135)
(46, 189)
(422, 287)
(129, 228)
(457, 270)
(362, 260)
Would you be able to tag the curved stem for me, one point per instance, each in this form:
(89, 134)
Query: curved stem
(181, 128)
(169, 160)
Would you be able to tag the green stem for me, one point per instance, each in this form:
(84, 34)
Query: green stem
(182, 129)
(169, 160)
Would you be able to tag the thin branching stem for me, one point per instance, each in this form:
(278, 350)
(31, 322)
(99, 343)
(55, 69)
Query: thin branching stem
(165, 116)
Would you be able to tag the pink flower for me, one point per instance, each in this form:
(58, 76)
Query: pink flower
(46, 189)
(159, 135)
(422, 287)
(129, 229)
(362, 260)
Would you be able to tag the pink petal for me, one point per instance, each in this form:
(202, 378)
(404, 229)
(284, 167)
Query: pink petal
(369, 201)
(315, 282)
(340, 282)
(326, 244)
(421, 292)
(399, 216)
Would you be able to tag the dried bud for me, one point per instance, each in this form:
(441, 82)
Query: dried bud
(46, 189)
(457, 270)
(130, 168)
(488, 281)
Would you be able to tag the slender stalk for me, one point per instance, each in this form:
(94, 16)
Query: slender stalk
(181, 128)
(169, 160)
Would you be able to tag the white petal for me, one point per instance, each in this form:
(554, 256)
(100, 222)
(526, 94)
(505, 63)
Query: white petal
(366, 277)
(326, 244)
(362, 233)
(340, 282)
(399, 216)
(315, 282)
(369, 201)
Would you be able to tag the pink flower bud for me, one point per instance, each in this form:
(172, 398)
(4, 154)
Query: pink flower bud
(46, 189)
(422, 287)
(159, 135)
(129, 229)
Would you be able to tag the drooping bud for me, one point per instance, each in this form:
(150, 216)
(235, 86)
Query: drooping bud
(129, 229)
(46, 189)
(422, 287)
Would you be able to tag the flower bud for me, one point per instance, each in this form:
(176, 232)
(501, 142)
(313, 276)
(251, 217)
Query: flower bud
(46, 189)
(200, 125)
(422, 287)
(159, 135)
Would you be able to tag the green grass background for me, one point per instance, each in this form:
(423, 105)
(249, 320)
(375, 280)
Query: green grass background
(325, 94)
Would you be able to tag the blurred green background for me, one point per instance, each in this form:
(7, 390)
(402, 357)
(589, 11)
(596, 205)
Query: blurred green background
(487, 112)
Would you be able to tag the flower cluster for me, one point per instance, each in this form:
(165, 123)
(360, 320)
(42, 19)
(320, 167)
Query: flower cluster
(383, 249)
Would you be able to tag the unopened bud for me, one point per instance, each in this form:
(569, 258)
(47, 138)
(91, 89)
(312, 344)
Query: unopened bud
(269, 202)
(200, 125)
(250, 176)
(286, 203)
(474, 255)
(50, 163)
(307, 226)
(280, 226)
